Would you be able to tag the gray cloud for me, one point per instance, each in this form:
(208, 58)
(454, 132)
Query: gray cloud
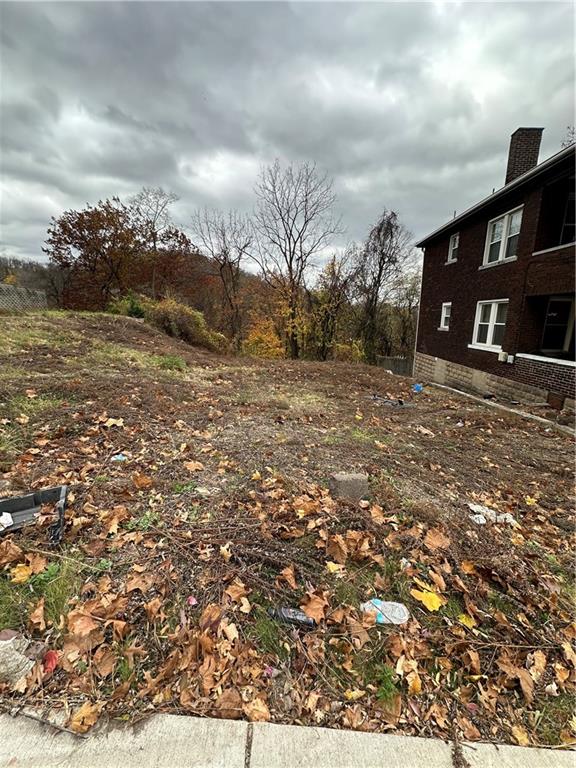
(408, 106)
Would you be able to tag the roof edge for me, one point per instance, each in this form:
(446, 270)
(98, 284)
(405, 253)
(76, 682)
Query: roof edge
(544, 165)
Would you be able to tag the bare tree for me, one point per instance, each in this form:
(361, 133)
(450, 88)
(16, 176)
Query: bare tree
(227, 240)
(379, 263)
(569, 137)
(151, 214)
(294, 221)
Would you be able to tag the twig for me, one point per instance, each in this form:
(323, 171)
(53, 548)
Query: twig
(43, 720)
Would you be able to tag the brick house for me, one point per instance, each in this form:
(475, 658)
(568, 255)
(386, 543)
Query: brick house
(497, 300)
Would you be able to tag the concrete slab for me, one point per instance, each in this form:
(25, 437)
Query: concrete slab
(170, 741)
(504, 756)
(289, 746)
(163, 741)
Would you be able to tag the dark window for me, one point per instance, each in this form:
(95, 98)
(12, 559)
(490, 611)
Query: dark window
(557, 324)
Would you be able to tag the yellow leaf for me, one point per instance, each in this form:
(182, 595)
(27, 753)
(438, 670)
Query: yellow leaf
(85, 717)
(333, 567)
(225, 552)
(520, 735)
(21, 573)
(431, 600)
(414, 683)
(467, 620)
(353, 695)
(530, 501)
(256, 475)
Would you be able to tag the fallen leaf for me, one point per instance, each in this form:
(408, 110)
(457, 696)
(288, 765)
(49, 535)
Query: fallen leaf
(237, 590)
(194, 466)
(337, 549)
(104, 661)
(520, 735)
(85, 717)
(314, 606)
(467, 620)
(37, 616)
(527, 684)
(431, 600)
(289, 577)
(9, 552)
(256, 476)
(257, 711)
(142, 481)
(36, 562)
(353, 694)
(225, 552)
(114, 423)
(20, 574)
(425, 431)
(80, 623)
(50, 662)
(435, 539)
(334, 567)
(228, 704)
(538, 664)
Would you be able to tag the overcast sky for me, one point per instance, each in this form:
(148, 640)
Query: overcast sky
(407, 105)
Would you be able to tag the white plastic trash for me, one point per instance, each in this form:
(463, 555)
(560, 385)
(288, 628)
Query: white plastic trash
(386, 612)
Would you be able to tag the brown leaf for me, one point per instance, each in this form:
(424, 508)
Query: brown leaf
(337, 549)
(526, 683)
(85, 717)
(37, 616)
(237, 590)
(141, 581)
(80, 623)
(152, 608)
(359, 635)
(469, 729)
(9, 552)
(228, 705)
(289, 577)
(142, 481)
(257, 711)
(377, 514)
(391, 709)
(314, 605)
(435, 539)
(194, 466)
(538, 664)
(36, 562)
(104, 661)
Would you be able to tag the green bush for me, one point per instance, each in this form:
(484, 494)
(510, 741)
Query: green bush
(183, 322)
(129, 305)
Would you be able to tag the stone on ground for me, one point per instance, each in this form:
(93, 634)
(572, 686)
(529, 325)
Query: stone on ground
(349, 485)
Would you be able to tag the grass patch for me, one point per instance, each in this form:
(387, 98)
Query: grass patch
(267, 635)
(169, 362)
(148, 520)
(554, 718)
(57, 584)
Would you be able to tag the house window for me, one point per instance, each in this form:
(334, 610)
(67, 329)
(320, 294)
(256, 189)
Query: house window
(453, 248)
(445, 316)
(502, 237)
(490, 324)
(558, 325)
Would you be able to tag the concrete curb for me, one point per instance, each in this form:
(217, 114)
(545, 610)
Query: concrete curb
(507, 409)
(172, 741)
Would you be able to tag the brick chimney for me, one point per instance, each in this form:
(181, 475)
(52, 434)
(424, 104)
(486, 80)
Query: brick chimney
(523, 152)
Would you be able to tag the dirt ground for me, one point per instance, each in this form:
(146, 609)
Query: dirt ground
(198, 504)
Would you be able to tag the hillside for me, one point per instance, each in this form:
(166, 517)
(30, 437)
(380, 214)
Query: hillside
(198, 502)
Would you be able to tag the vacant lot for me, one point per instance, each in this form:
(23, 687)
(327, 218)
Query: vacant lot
(198, 502)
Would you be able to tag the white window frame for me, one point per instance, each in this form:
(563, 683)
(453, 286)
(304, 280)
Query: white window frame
(445, 326)
(504, 241)
(488, 346)
(453, 244)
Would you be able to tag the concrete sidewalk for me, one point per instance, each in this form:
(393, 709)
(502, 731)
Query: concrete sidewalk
(188, 742)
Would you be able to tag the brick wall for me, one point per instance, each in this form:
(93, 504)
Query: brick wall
(14, 299)
(550, 376)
